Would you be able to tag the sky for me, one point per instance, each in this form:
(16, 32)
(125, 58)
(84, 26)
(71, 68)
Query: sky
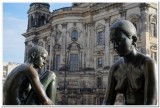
(14, 25)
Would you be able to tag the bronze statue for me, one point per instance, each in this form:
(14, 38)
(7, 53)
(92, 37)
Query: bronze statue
(23, 86)
(134, 74)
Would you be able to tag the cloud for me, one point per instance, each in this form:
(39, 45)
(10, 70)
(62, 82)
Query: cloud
(13, 41)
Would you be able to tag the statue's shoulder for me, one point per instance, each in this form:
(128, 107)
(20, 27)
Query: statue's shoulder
(28, 68)
(146, 59)
(116, 65)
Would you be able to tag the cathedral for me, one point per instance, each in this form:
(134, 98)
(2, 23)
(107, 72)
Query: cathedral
(79, 47)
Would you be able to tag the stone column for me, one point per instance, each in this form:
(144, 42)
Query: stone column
(144, 25)
(64, 43)
(91, 45)
(84, 43)
(88, 45)
(107, 39)
(51, 50)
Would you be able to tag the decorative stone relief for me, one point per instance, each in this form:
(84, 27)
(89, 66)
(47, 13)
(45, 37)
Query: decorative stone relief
(144, 6)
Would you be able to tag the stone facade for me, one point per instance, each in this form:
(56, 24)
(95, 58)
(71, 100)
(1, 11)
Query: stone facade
(7, 68)
(80, 51)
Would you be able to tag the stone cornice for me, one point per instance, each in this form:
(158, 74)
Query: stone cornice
(101, 7)
(41, 11)
(81, 12)
(38, 29)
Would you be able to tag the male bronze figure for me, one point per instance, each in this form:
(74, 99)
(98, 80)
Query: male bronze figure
(134, 74)
(23, 86)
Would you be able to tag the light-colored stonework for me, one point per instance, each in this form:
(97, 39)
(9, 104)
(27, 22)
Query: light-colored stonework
(7, 68)
(86, 83)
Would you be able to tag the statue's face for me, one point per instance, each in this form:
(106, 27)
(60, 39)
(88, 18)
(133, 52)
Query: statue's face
(40, 61)
(121, 43)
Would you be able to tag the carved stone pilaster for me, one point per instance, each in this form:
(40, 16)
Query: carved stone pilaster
(144, 16)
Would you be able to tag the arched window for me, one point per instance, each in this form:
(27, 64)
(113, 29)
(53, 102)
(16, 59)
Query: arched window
(100, 38)
(74, 35)
(99, 62)
(153, 29)
(73, 62)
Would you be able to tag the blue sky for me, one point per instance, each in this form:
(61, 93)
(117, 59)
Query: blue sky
(14, 24)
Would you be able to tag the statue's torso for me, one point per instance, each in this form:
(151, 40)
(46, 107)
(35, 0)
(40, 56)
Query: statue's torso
(130, 82)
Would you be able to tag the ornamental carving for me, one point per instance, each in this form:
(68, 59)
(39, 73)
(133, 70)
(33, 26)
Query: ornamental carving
(154, 47)
(153, 18)
(122, 11)
(100, 27)
(40, 43)
(57, 47)
(144, 6)
(74, 46)
(76, 31)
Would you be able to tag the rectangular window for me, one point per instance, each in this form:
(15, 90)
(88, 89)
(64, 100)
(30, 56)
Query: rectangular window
(73, 62)
(57, 62)
(47, 67)
(48, 49)
(99, 82)
(4, 68)
(116, 58)
(99, 62)
(100, 38)
(153, 29)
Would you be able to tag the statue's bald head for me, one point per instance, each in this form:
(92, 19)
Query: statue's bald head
(126, 27)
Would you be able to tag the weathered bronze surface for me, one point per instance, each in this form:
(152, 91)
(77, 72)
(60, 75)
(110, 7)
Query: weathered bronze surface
(134, 74)
(23, 86)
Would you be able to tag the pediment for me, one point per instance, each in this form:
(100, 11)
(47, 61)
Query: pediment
(74, 46)
(99, 48)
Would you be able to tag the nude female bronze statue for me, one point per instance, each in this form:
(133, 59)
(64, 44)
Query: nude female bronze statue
(134, 74)
(23, 86)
